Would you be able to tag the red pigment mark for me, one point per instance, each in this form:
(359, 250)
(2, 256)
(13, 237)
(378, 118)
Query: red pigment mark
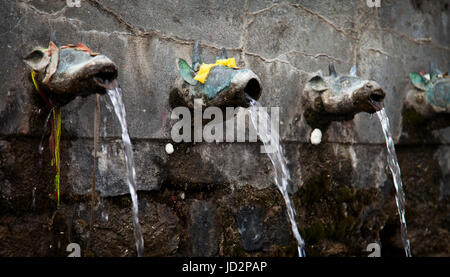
(82, 47)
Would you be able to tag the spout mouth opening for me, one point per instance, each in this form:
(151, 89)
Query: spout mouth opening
(106, 78)
(376, 100)
(253, 89)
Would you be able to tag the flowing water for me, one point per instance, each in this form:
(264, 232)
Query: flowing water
(270, 137)
(115, 94)
(396, 175)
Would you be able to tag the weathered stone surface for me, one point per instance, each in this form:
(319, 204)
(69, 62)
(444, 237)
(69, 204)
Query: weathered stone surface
(232, 168)
(203, 230)
(113, 228)
(111, 175)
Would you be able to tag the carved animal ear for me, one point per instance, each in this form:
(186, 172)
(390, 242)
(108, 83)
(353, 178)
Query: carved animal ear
(224, 54)
(185, 71)
(353, 70)
(38, 59)
(196, 57)
(317, 83)
(53, 52)
(331, 69)
(418, 80)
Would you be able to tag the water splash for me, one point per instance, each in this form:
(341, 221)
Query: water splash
(396, 175)
(115, 94)
(269, 137)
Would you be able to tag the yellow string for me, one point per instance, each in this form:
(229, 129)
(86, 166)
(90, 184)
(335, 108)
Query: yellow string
(57, 121)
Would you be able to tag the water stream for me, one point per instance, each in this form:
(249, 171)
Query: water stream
(41, 146)
(270, 137)
(396, 175)
(115, 94)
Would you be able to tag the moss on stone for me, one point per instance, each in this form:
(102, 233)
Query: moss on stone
(317, 187)
(413, 118)
(334, 212)
(314, 232)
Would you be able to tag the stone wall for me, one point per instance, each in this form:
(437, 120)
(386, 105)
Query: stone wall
(199, 200)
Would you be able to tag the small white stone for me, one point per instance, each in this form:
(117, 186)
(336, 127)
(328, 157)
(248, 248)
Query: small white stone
(316, 136)
(169, 148)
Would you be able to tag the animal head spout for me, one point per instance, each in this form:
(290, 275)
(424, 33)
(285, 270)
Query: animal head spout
(220, 84)
(69, 71)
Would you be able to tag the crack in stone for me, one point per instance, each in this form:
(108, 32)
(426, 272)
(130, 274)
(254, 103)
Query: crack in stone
(296, 69)
(379, 51)
(54, 14)
(344, 31)
(144, 33)
(115, 15)
(103, 33)
(243, 43)
(14, 27)
(359, 30)
(135, 31)
(347, 31)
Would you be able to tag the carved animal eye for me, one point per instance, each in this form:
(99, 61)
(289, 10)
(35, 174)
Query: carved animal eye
(346, 83)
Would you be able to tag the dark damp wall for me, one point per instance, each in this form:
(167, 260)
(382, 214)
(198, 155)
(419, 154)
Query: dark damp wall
(213, 199)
